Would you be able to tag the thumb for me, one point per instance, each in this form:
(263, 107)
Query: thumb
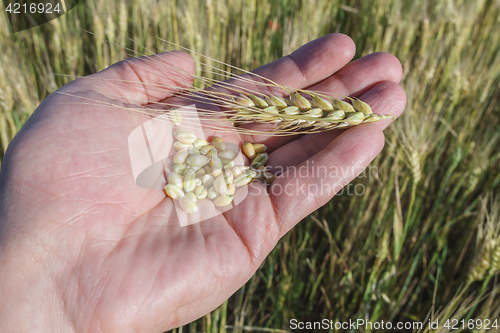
(140, 81)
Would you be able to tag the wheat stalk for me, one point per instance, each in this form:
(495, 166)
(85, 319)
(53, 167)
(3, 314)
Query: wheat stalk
(239, 102)
(488, 259)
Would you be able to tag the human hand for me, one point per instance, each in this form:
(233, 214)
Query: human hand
(83, 248)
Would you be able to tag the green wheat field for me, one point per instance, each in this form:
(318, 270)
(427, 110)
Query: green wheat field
(423, 241)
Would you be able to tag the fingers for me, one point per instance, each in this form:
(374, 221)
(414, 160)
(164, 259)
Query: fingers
(303, 189)
(385, 98)
(140, 80)
(357, 77)
(310, 63)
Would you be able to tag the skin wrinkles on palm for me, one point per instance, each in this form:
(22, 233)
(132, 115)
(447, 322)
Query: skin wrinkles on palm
(124, 263)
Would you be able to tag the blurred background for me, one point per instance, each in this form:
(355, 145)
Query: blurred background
(423, 239)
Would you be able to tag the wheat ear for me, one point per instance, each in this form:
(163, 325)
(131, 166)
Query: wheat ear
(241, 101)
(297, 113)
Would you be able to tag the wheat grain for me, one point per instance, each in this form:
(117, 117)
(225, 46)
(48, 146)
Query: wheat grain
(259, 160)
(249, 150)
(188, 205)
(223, 200)
(259, 148)
(174, 192)
(201, 192)
(191, 196)
(212, 193)
(192, 178)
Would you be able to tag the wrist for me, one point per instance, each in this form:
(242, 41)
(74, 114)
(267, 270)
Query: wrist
(29, 295)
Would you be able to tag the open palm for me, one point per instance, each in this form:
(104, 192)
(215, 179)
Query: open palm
(81, 240)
